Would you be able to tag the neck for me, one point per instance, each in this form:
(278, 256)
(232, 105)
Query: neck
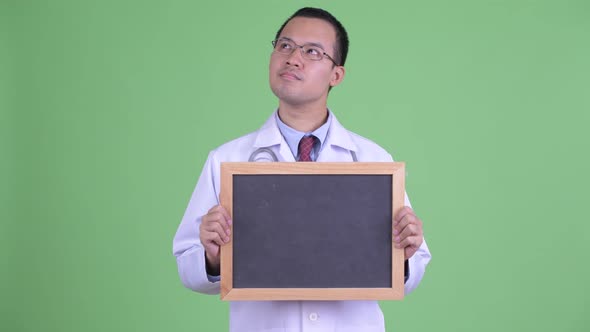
(305, 119)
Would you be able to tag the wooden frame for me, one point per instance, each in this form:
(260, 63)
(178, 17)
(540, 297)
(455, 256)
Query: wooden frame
(228, 170)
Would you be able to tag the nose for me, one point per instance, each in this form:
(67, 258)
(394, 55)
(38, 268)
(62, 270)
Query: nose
(295, 58)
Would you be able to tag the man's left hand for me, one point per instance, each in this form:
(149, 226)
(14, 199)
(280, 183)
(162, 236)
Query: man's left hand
(407, 231)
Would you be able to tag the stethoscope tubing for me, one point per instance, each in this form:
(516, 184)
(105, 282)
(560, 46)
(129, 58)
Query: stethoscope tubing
(254, 155)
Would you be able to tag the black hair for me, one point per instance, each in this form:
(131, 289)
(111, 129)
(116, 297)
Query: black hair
(341, 46)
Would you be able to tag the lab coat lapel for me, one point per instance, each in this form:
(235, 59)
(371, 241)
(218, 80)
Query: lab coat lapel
(269, 136)
(338, 144)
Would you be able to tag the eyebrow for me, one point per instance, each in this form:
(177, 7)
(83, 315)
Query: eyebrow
(306, 44)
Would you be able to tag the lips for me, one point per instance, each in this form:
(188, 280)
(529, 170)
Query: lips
(291, 75)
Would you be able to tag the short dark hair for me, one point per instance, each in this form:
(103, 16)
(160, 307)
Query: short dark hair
(341, 46)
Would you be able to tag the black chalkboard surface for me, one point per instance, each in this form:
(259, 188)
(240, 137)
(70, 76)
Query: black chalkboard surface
(312, 231)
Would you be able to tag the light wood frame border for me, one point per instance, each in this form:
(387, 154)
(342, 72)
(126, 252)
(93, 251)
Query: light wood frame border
(228, 169)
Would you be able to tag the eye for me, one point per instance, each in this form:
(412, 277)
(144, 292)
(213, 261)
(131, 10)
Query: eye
(284, 45)
(314, 51)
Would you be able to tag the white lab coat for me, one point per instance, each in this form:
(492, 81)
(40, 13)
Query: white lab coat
(281, 316)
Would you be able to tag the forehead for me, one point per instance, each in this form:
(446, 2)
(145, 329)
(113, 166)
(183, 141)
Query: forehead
(304, 30)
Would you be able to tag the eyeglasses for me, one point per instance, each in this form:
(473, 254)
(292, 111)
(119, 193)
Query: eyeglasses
(308, 51)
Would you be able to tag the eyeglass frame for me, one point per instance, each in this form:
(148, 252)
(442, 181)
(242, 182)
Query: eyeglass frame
(300, 47)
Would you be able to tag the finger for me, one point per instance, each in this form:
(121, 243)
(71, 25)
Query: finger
(212, 250)
(212, 238)
(409, 252)
(411, 242)
(213, 256)
(225, 214)
(213, 223)
(223, 211)
(410, 230)
(411, 246)
(407, 220)
(216, 217)
(402, 213)
(218, 228)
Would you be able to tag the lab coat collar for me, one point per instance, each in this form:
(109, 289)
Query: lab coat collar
(339, 136)
(270, 135)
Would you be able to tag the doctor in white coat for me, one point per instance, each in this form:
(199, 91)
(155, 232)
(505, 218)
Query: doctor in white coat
(307, 61)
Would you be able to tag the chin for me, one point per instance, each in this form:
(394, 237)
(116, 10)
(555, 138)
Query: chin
(284, 93)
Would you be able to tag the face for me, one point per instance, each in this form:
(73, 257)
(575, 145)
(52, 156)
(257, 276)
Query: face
(296, 80)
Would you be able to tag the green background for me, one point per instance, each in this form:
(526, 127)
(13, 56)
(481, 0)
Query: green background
(109, 109)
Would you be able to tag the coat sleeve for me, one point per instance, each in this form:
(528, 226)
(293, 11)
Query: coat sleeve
(187, 247)
(417, 266)
(417, 263)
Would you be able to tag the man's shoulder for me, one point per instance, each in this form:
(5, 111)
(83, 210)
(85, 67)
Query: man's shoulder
(240, 144)
(369, 148)
(364, 148)
(236, 148)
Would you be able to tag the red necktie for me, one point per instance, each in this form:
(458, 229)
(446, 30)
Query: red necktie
(305, 146)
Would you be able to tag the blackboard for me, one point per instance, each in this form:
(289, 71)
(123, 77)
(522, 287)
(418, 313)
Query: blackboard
(311, 231)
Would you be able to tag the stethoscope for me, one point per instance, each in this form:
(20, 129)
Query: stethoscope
(267, 152)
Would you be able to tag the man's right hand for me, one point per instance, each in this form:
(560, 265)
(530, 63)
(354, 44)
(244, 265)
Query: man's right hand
(214, 232)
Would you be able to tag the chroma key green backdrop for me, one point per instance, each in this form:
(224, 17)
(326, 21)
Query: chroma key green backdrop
(109, 108)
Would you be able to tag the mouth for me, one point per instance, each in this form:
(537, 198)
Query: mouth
(290, 75)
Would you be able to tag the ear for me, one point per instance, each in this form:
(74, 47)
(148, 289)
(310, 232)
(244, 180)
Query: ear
(338, 73)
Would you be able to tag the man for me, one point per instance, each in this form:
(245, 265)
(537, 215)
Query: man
(307, 61)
